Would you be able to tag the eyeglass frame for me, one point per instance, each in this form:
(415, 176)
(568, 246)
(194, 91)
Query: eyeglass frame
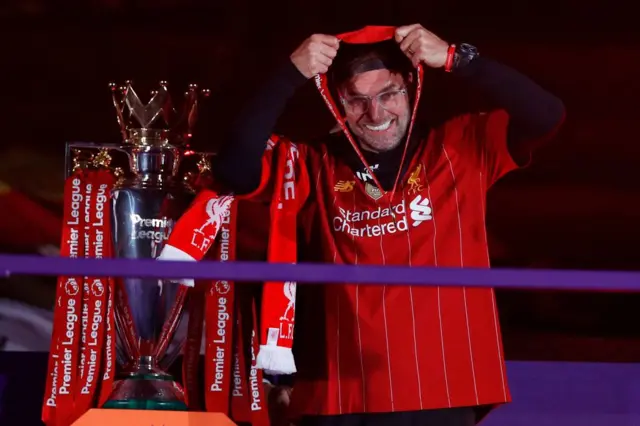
(370, 99)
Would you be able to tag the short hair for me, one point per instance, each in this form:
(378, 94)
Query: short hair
(353, 59)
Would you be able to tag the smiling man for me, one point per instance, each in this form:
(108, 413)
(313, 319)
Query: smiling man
(389, 191)
(373, 88)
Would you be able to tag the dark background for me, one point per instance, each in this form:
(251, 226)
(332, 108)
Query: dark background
(577, 206)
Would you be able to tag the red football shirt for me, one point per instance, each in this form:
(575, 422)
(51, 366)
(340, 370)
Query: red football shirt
(375, 348)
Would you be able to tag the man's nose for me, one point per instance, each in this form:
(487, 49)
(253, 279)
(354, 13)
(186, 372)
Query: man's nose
(375, 111)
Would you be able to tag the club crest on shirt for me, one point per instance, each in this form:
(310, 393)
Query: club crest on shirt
(372, 191)
(415, 186)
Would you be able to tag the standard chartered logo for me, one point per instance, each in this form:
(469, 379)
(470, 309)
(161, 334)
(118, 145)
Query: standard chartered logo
(383, 221)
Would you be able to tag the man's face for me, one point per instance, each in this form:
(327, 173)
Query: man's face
(377, 109)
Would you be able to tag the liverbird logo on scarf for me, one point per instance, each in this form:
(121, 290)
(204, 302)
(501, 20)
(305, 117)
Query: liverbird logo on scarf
(290, 293)
(216, 209)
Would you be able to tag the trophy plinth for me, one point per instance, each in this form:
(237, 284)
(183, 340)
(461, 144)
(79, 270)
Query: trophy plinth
(157, 179)
(147, 387)
(98, 417)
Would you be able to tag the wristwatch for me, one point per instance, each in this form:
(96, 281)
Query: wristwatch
(464, 54)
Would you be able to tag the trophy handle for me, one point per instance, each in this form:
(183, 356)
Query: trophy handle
(75, 155)
(120, 149)
(89, 155)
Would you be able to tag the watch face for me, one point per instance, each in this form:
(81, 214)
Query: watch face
(465, 53)
(465, 47)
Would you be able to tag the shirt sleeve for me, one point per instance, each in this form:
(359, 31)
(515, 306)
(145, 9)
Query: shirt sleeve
(238, 165)
(534, 113)
(496, 160)
(482, 141)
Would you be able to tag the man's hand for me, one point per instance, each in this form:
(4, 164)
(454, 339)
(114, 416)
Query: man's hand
(421, 45)
(315, 54)
(279, 398)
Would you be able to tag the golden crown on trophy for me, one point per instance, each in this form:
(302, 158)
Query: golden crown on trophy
(160, 120)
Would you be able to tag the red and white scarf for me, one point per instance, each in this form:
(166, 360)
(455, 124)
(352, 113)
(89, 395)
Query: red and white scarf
(210, 222)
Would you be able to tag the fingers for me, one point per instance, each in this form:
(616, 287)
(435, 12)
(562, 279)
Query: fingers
(422, 46)
(323, 49)
(320, 64)
(409, 41)
(402, 32)
(329, 40)
(315, 54)
(413, 51)
(322, 58)
(327, 50)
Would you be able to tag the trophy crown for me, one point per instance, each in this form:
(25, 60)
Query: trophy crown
(159, 120)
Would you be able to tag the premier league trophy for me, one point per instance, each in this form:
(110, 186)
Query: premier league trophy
(155, 185)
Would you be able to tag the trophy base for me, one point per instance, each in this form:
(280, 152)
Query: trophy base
(147, 390)
(99, 417)
(145, 405)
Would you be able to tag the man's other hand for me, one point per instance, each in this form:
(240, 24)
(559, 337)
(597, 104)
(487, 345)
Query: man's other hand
(421, 45)
(279, 398)
(315, 54)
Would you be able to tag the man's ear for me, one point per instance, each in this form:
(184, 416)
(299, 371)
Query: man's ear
(340, 90)
(337, 94)
(410, 78)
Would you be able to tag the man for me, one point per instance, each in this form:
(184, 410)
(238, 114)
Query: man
(402, 194)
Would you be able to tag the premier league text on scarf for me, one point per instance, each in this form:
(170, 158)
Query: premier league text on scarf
(222, 287)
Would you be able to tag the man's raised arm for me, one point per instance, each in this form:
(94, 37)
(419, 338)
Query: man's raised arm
(238, 164)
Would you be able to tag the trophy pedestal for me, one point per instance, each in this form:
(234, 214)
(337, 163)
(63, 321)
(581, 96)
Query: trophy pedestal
(147, 388)
(146, 392)
(101, 417)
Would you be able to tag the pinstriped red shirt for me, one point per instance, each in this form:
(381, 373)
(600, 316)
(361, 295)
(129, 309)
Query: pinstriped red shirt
(372, 348)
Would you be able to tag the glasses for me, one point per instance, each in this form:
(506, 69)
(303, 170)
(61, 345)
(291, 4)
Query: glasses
(387, 100)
